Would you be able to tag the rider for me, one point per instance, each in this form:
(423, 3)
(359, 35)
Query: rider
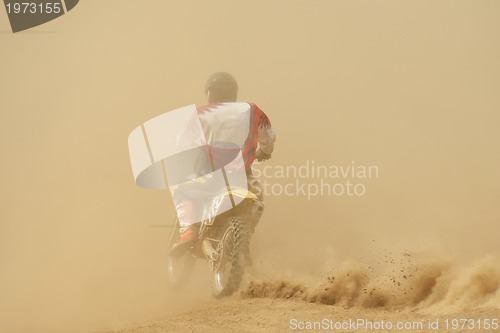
(224, 116)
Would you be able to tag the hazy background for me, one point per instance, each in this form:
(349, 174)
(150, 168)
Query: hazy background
(409, 86)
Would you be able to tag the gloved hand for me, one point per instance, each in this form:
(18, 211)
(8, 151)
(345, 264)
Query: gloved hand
(261, 156)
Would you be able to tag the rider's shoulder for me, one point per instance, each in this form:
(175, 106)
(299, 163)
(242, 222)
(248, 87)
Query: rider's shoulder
(242, 107)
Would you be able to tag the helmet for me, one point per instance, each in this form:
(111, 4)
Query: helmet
(222, 84)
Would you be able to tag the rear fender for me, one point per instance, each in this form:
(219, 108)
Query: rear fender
(225, 198)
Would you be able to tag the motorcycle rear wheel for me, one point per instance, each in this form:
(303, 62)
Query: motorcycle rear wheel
(227, 278)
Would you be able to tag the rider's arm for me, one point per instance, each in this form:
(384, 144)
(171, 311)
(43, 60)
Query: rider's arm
(265, 136)
(266, 139)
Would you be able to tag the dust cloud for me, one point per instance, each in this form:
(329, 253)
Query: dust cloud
(411, 87)
(430, 287)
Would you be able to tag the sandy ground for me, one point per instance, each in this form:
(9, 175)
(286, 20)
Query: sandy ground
(278, 315)
(417, 297)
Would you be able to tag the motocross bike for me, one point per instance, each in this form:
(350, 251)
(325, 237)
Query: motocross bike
(223, 241)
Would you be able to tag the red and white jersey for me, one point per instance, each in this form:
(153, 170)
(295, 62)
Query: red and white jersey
(241, 124)
(197, 152)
